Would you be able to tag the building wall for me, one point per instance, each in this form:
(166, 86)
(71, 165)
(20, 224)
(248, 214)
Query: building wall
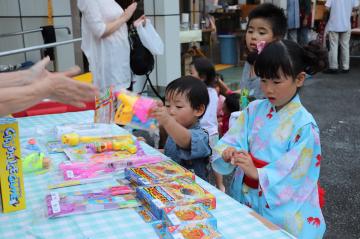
(23, 15)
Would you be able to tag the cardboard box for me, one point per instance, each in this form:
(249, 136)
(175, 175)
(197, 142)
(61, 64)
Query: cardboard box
(11, 174)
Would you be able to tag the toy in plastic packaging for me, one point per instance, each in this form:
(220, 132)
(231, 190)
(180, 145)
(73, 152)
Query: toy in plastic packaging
(73, 139)
(80, 202)
(134, 111)
(33, 159)
(84, 170)
(84, 129)
(104, 106)
(103, 151)
(181, 191)
(193, 231)
(181, 215)
(161, 172)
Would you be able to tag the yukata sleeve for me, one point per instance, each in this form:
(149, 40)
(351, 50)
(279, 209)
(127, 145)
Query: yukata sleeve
(199, 148)
(236, 137)
(92, 16)
(294, 175)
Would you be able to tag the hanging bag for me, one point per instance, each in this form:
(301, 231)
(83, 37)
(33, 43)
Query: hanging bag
(149, 37)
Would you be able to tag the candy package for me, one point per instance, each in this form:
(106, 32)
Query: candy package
(134, 111)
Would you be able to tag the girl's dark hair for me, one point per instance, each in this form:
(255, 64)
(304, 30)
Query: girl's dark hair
(291, 59)
(206, 70)
(277, 19)
(194, 90)
(232, 102)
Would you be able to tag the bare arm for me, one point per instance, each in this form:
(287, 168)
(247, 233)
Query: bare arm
(56, 86)
(111, 27)
(17, 78)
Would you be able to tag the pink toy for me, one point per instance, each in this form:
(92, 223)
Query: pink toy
(142, 108)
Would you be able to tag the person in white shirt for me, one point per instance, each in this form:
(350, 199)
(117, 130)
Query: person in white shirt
(105, 42)
(339, 29)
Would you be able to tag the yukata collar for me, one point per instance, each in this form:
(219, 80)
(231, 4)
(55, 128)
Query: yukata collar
(295, 101)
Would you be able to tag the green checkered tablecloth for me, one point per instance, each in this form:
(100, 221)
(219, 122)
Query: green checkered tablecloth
(234, 220)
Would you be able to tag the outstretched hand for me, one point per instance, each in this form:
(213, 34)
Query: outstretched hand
(60, 86)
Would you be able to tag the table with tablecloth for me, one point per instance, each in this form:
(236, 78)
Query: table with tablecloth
(234, 219)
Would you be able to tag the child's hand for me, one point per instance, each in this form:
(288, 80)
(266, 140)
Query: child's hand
(161, 114)
(228, 154)
(243, 160)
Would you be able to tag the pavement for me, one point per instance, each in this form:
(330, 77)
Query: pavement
(334, 101)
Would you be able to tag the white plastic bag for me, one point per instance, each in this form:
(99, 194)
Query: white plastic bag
(150, 38)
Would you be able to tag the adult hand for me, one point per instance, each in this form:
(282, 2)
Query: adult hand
(60, 86)
(129, 11)
(228, 154)
(243, 160)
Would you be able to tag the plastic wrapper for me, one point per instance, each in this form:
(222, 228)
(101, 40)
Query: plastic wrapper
(80, 202)
(134, 111)
(193, 230)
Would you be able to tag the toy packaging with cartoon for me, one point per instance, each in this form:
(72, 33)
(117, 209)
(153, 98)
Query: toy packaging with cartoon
(192, 231)
(181, 191)
(193, 213)
(161, 172)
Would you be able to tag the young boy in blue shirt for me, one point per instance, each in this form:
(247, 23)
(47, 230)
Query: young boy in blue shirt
(186, 99)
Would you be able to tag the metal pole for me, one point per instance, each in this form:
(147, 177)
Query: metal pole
(34, 48)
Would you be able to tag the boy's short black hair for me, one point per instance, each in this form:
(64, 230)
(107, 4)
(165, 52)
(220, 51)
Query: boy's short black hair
(232, 102)
(194, 90)
(274, 15)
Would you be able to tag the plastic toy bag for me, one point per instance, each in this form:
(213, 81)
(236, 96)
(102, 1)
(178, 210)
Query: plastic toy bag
(80, 202)
(33, 158)
(149, 37)
(134, 111)
(84, 129)
(104, 106)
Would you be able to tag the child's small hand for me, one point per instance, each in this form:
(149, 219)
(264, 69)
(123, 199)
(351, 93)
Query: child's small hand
(243, 160)
(161, 114)
(228, 154)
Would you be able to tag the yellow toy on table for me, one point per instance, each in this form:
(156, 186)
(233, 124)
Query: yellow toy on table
(74, 139)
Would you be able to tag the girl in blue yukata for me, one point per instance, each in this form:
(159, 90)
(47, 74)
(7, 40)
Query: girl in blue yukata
(274, 146)
(267, 23)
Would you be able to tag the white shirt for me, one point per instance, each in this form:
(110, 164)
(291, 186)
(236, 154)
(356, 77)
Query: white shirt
(340, 13)
(209, 119)
(109, 57)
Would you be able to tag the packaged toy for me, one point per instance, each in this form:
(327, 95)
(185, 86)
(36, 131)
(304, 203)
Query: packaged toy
(161, 172)
(64, 204)
(181, 191)
(192, 231)
(181, 215)
(134, 110)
